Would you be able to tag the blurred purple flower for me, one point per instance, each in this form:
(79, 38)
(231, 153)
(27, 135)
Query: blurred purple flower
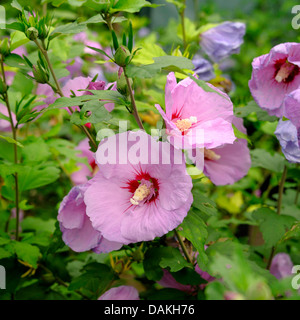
(274, 75)
(121, 293)
(223, 40)
(203, 68)
(289, 138)
(281, 265)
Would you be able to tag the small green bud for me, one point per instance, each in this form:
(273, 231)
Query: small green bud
(41, 75)
(5, 47)
(3, 87)
(122, 56)
(122, 86)
(44, 31)
(32, 33)
(48, 278)
(138, 255)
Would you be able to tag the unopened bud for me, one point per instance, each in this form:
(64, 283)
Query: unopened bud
(122, 56)
(122, 86)
(3, 87)
(40, 74)
(32, 33)
(5, 47)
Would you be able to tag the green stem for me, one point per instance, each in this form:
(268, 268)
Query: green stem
(182, 14)
(134, 108)
(279, 202)
(297, 194)
(14, 133)
(43, 50)
(185, 251)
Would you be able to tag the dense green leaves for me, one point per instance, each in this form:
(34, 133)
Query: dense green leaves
(262, 158)
(272, 225)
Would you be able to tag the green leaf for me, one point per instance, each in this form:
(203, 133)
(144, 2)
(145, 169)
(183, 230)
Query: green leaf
(194, 229)
(38, 225)
(98, 112)
(35, 176)
(11, 140)
(107, 95)
(204, 204)
(96, 278)
(173, 260)
(70, 28)
(202, 84)
(272, 225)
(252, 107)
(36, 151)
(130, 37)
(167, 63)
(263, 159)
(131, 6)
(188, 276)
(115, 40)
(27, 253)
(153, 271)
(239, 134)
(5, 253)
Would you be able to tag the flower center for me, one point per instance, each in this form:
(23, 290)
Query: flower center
(144, 192)
(185, 124)
(286, 72)
(211, 155)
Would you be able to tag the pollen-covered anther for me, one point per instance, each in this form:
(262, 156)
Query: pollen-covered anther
(285, 71)
(185, 124)
(141, 193)
(211, 155)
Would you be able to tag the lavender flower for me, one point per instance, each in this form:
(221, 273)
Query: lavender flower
(223, 40)
(289, 138)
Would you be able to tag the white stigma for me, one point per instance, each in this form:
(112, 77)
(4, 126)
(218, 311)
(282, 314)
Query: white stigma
(185, 124)
(211, 155)
(140, 194)
(284, 72)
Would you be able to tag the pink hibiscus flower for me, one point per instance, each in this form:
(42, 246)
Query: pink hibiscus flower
(78, 232)
(82, 83)
(226, 164)
(291, 107)
(274, 75)
(121, 293)
(81, 176)
(192, 112)
(142, 189)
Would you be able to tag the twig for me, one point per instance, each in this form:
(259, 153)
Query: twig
(14, 133)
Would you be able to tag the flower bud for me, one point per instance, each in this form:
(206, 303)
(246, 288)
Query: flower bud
(43, 31)
(122, 86)
(138, 255)
(41, 75)
(3, 87)
(122, 56)
(5, 47)
(32, 33)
